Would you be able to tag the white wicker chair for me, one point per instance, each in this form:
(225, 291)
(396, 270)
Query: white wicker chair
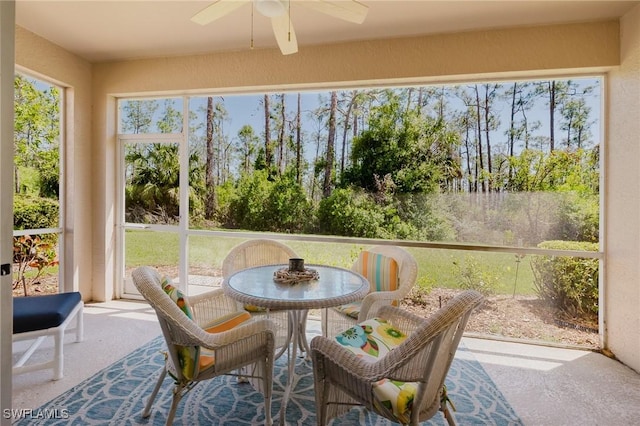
(343, 379)
(260, 252)
(334, 321)
(248, 346)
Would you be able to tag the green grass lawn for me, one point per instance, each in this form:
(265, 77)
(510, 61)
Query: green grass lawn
(437, 269)
(436, 266)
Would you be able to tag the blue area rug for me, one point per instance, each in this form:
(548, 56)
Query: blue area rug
(117, 395)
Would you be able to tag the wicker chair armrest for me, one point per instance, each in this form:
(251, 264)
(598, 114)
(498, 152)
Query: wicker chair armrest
(322, 347)
(373, 371)
(213, 304)
(247, 330)
(343, 362)
(425, 330)
(404, 361)
(375, 300)
(401, 319)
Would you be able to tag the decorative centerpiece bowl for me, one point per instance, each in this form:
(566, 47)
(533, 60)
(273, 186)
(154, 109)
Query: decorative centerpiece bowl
(295, 273)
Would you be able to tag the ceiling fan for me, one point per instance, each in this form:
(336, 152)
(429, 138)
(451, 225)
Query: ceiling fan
(279, 12)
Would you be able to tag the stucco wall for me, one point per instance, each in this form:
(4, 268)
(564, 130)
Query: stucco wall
(622, 192)
(41, 58)
(522, 51)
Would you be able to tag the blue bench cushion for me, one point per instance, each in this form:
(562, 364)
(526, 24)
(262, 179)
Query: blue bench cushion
(41, 312)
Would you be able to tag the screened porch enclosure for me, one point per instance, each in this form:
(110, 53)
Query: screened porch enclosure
(508, 209)
(472, 243)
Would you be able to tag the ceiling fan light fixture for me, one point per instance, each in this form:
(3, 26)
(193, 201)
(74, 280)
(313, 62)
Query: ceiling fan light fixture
(270, 8)
(279, 12)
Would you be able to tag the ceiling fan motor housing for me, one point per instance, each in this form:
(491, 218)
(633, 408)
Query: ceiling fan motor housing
(270, 8)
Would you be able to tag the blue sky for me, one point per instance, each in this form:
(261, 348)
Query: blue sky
(247, 109)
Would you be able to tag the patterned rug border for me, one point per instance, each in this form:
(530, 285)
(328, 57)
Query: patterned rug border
(116, 396)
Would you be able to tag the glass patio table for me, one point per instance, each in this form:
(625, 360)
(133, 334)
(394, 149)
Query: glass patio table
(256, 286)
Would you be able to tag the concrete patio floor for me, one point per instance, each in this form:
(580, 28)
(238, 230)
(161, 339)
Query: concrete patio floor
(544, 385)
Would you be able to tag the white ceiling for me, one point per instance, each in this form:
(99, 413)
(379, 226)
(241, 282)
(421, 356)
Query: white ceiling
(117, 30)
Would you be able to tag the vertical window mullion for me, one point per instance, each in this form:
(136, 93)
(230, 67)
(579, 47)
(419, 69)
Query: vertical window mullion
(183, 267)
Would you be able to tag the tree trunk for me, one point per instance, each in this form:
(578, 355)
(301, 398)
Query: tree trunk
(355, 118)
(299, 141)
(512, 126)
(552, 113)
(569, 127)
(347, 118)
(487, 128)
(281, 144)
(268, 155)
(409, 94)
(16, 178)
(480, 161)
(210, 199)
(441, 104)
(472, 185)
(328, 170)
(315, 161)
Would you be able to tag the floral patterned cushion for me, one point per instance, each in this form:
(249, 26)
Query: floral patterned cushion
(189, 356)
(372, 340)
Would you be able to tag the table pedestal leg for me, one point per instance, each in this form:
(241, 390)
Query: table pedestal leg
(297, 326)
(285, 347)
(303, 342)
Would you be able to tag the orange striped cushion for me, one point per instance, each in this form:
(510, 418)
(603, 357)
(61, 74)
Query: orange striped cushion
(381, 271)
(227, 322)
(224, 323)
(205, 361)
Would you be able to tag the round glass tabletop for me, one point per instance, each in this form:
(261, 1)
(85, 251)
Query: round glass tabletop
(335, 286)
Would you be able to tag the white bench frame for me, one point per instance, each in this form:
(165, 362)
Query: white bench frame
(58, 335)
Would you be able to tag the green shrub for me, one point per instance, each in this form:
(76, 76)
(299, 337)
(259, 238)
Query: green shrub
(31, 212)
(475, 276)
(287, 208)
(246, 208)
(425, 214)
(578, 218)
(262, 204)
(352, 214)
(568, 283)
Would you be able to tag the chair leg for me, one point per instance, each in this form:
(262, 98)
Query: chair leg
(448, 416)
(147, 409)
(58, 354)
(321, 402)
(243, 374)
(80, 324)
(177, 396)
(268, 389)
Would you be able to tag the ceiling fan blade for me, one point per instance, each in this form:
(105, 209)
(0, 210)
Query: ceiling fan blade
(285, 36)
(217, 10)
(348, 10)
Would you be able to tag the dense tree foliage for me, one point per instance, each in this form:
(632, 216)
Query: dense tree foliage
(416, 151)
(36, 139)
(510, 163)
(36, 178)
